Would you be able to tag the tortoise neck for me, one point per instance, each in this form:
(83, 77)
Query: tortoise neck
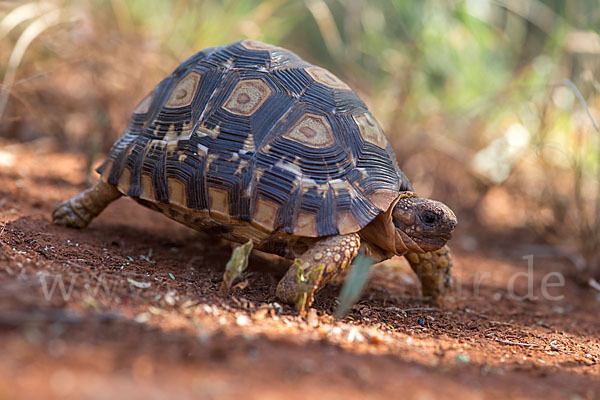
(381, 232)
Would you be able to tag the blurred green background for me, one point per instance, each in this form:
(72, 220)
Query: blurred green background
(489, 104)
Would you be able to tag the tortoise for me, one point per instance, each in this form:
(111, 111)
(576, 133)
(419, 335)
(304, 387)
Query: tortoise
(249, 141)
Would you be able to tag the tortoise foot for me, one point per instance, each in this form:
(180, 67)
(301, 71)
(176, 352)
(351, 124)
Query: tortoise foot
(78, 211)
(315, 268)
(65, 215)
(434, 270)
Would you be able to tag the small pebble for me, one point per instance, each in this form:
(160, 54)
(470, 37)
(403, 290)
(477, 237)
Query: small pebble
(354, 335)
(312, 318)
(261, 313)
(242, 320)
(170, 298)
(463, 358)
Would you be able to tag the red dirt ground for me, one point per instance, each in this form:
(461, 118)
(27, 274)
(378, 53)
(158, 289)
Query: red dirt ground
(142, 318)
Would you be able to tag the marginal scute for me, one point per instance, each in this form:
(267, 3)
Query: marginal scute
(184, 92)
(144, 105)
(382, 198)
(219, 204)
(312, 130)
(106, 170)
(264, 214)
(124, 181)
(247, 97)
(176, 192)
(326, 78)
(306, 225)
(370, 130)
(346, 223)
(147, 188)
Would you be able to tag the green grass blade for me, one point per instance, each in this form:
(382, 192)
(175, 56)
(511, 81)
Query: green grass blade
(354, 285)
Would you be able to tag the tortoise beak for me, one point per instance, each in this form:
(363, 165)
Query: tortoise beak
(445, 229)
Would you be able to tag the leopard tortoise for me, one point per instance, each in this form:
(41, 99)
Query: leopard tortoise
(248, 141)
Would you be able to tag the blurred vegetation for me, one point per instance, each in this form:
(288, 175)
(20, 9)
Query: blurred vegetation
(484, 100)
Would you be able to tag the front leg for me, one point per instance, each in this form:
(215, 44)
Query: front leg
(317, 266)
(434, 270)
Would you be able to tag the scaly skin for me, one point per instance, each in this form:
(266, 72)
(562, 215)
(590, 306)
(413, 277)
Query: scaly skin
(78, 211)
(333, 254)
(434, 270)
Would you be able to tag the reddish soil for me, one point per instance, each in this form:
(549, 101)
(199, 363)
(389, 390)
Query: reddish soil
(141, 317)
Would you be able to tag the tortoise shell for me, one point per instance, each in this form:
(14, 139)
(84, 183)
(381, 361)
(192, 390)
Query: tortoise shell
(250, 141)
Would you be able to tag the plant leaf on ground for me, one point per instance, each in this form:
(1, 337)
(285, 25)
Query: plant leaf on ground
(307, 286)
(236, 264)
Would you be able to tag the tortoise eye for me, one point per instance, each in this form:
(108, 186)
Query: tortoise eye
(428, 217)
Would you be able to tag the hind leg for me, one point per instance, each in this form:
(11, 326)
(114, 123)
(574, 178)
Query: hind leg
(434, 270)
(78, 211)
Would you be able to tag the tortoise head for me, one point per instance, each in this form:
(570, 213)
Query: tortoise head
(421, 225)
